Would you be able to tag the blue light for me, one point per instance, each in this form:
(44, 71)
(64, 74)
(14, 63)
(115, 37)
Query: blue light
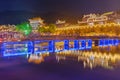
(61, 48)
(30, 47)
(82, 44)
(110, 42)
(66, 44)
(38, 48)
(17, 48)
(101, 42)
(76, 44)
(118, 41)
(51, 46)
(89, 44)
(106, 42)
(115, 42)
(15, 54)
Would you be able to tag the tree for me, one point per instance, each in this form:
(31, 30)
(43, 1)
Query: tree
(52, 28)
(47, 29)
(41, 30)
(25, 28)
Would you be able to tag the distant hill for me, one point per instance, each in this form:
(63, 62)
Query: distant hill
(16, 17)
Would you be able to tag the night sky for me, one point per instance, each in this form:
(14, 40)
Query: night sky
(73, 6)
(65, 7)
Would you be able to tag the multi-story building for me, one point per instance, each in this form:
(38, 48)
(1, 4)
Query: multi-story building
(11, 36)
(9, 33)
(35, 23)
(117, 21)
(7, 28)
(92, 19)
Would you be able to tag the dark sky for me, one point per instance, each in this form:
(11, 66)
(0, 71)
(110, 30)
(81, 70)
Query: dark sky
(17, 11)
(67, 6)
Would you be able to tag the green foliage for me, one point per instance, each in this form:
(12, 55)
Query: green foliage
(25, 28)
(52, 28)
(41, 30)
(47, 29)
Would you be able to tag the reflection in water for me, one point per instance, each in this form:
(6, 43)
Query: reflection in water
(106, 57)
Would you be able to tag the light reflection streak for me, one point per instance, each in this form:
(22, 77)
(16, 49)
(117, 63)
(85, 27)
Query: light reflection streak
(92, 59)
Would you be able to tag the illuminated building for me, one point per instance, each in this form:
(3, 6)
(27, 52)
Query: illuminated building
(113, 17)
(4, 28)
(91, 19)
(60, 23)
(11, 36)
(9, 33)
(36, 22)
(117, 21)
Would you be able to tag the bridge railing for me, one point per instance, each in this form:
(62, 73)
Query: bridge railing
(51, 46)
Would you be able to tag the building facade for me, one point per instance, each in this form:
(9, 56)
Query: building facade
(91, 19)
(9, 33)
(35, 23)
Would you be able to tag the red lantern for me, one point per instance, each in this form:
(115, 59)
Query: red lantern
(1, 40)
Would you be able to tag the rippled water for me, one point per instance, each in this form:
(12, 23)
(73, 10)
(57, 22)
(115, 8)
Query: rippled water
(95, 64)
